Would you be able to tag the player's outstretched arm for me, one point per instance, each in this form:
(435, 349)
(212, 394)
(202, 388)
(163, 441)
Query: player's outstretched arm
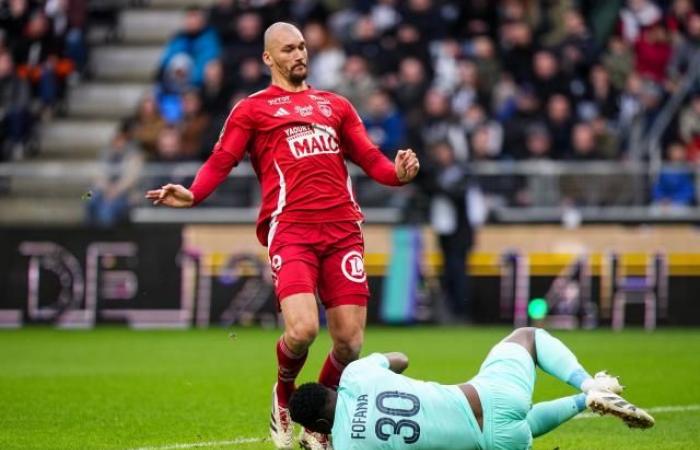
(407, 165)
(173, 195)
(398, 362)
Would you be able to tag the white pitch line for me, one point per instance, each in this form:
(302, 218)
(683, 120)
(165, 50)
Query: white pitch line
(204, 444)
(586, 415)
(653, 410)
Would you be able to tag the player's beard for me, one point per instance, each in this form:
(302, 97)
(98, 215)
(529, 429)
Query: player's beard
(297, 77)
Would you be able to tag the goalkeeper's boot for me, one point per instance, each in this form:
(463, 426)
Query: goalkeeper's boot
(311, 440)
(603, 381)
(281, 426)
(605, 402)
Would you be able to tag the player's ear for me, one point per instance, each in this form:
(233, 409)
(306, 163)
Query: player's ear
(267, 59)
(323, 426)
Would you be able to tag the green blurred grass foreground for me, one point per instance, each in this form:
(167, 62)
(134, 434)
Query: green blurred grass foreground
(116, 388)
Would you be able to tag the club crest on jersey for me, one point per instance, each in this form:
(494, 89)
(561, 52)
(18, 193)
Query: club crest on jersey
(325, 110)
(279, 100)
(304, 111)
(312, 140)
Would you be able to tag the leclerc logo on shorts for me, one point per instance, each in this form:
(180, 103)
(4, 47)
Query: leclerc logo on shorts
(353, 267)
(276, 262)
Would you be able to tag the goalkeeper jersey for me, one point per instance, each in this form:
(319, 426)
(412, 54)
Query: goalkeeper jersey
(379, 409)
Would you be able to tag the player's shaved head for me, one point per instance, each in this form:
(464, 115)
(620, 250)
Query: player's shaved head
(286, 55)
(277, 31)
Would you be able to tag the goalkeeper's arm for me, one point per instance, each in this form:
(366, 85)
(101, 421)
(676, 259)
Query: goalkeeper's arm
(397, 361)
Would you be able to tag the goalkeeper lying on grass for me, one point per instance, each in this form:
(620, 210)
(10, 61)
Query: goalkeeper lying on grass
(376, 408)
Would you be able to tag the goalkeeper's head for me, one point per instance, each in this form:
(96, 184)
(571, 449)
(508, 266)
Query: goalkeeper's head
(313, 406)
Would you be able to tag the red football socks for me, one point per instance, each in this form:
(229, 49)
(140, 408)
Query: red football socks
(289, 365)
(331, 371)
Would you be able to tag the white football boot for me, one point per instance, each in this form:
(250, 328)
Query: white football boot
(606, 402)
(311, 440)
(603, 381)
(281, 426)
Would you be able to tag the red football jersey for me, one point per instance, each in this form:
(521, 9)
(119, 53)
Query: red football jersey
(297, 142)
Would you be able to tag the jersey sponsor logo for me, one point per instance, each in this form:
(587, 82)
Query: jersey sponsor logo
(281, 112)
(304, 111)
(279, 100)
(312, 140)
(325, 110)
(353, 267)
(320, 100)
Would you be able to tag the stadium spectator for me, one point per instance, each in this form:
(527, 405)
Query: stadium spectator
(250, 76)
(440, 124)
(635, 17)
(384, 123)
(577, 49)
(689, 127)
(39, 55)
(466, 90)
(309, 219)
(618, 59)
(678, 18)
(493, 410)
(548, 80)
(488, 67)
(445, 181)
(196, 42)
(328, 58)
(602, 97)
(675, 187)
(559, 121)
(517, 49)
(411, 85)
(193, 126)
(538, 142)
(527, 112)
(222, 17)
(217, 89)
(583, 145)
(653, 52)
(15, 114)
(685, 51)
(169, 146)
(246, 43)
(68, 19)
(14, 16)
(121, 164)
(146, 125)
(183, 62)
(356, 82)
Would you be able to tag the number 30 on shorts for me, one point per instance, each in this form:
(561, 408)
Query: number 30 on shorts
(353, 267)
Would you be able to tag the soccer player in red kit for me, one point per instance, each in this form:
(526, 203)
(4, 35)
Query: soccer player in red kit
(298, 139)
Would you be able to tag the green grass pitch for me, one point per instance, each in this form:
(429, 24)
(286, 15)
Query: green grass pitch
(115, 388)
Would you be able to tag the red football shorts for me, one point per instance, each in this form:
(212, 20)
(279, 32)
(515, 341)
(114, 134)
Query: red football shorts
(323, 257)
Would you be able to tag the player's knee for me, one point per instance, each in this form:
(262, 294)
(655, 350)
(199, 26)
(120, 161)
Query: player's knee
(347, 348)
(524, 336)
(302, 333)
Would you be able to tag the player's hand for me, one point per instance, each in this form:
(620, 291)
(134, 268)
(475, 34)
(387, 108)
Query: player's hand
(407, 165)
(173, 195)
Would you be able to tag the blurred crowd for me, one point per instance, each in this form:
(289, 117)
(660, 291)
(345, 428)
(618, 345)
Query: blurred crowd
(42, 50)
(491, 80)
(458, 81)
